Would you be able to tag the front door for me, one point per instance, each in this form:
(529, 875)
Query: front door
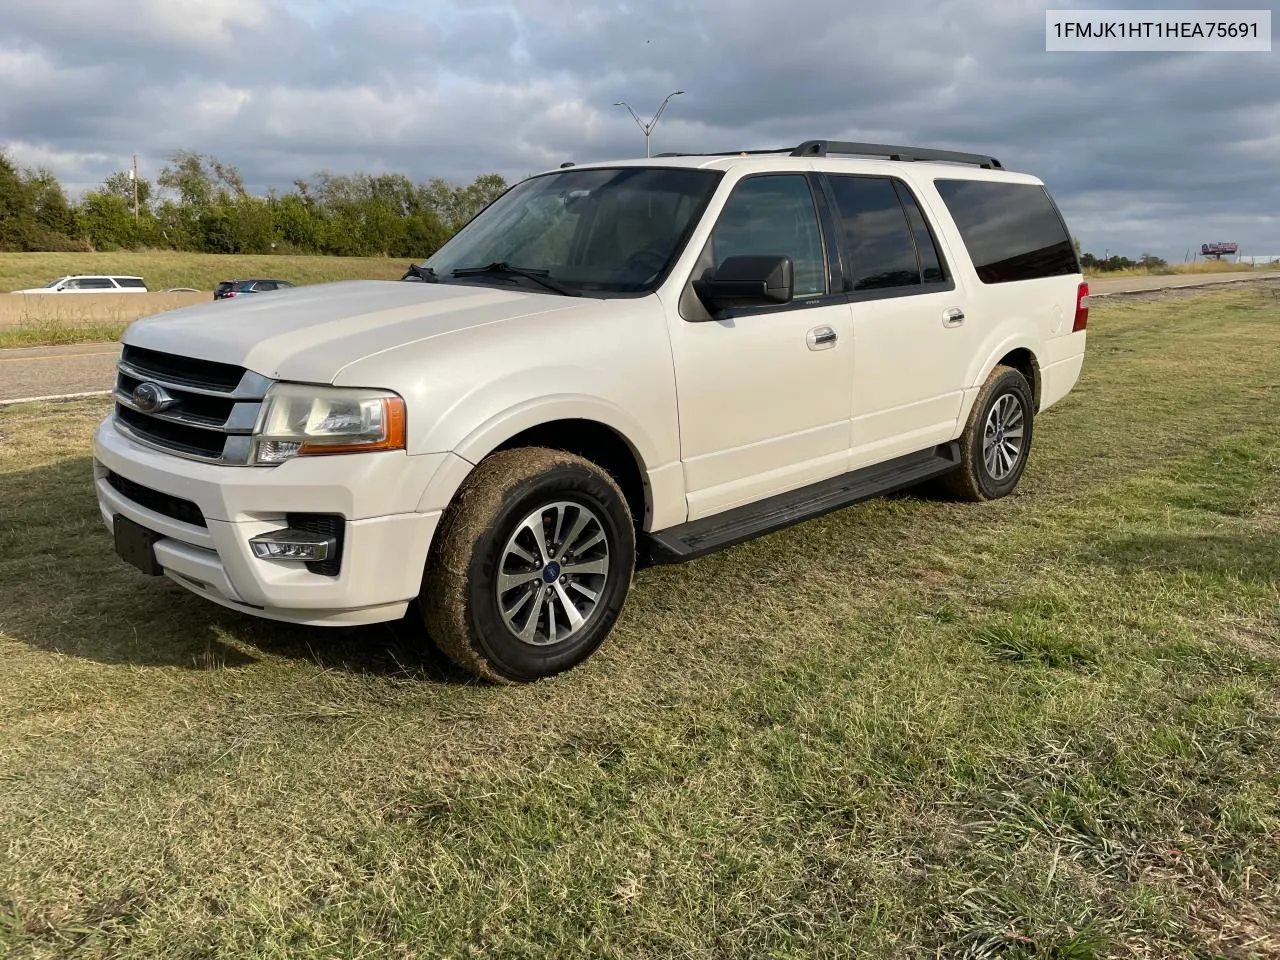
(764, 394)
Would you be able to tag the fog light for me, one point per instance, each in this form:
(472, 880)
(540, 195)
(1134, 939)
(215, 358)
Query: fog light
(293, 545)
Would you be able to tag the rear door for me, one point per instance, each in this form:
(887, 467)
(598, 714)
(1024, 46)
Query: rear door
(913, 340)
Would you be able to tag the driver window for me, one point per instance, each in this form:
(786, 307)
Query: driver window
(773, 215)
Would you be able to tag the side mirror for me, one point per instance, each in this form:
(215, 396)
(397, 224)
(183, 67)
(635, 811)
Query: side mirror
(751, 281)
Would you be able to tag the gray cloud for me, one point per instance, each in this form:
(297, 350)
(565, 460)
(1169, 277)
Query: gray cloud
(1145, 152)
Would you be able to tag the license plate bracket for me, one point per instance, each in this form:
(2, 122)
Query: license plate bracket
(136, 545)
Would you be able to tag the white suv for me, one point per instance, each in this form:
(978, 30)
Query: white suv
(613, 364)
(91, 284)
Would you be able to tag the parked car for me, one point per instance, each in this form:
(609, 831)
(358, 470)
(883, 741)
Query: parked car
(614, 364)
(234, 288)
(91, 284)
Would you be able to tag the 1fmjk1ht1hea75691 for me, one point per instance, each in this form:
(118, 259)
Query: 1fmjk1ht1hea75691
(612, 364)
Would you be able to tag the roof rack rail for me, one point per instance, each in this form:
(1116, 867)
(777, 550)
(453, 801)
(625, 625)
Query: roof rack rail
(822, 148)
(726, 153)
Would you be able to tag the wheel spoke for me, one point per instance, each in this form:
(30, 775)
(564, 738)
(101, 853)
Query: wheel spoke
(522, 553)
(575, 618)
(530, 628)
(534, 526)
(589, 594)
(579, 524)
(509, 581)
(588, 566)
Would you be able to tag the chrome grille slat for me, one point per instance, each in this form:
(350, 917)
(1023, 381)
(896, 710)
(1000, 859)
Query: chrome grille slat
(209, 418)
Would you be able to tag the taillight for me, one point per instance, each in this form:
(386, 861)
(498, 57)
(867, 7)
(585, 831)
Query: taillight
(1082, 308)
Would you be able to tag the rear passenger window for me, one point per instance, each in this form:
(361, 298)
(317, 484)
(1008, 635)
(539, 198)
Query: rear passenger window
(1012, 230)
(97, 283)
(130, 282)
(885, 234)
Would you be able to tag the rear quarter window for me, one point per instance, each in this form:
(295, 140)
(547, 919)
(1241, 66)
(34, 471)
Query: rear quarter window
(1013, 231)
(130, 282)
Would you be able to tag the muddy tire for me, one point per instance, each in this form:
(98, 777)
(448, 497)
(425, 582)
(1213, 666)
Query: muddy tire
(996, 440)
(530, 567)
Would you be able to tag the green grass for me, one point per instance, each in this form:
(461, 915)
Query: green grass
(56, 334)
(162, 269)
(1045, 727)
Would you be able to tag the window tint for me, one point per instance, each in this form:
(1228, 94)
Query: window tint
(773, 215)
(97, 283)
(264, 285)
(931, 268)
(882, 253)
(130, 282)
(1012, 230)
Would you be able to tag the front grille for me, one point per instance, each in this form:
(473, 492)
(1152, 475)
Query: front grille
(326, 525)
(207, 409)
(172, 368)
(175, 508)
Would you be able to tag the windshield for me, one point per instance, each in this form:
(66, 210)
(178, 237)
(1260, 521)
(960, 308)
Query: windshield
(594, 232)
(54, 283)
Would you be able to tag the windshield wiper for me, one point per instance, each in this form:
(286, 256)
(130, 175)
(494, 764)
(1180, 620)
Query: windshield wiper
(425, 274)
(502, 268)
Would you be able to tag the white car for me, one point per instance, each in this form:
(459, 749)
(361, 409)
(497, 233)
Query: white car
(613, 364)
(99, 283)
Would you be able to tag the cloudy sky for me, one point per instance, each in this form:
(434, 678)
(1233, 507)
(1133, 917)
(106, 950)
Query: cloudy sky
(1149, 152)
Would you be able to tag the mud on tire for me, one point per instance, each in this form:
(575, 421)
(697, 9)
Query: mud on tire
(530, 567)
(996, 440)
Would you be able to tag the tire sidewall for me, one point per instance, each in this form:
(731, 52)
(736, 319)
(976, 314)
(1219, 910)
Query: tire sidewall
(492, 638)
(1010, 382)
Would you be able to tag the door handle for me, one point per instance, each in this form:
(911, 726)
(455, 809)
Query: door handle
(952, 317)
(820, 338)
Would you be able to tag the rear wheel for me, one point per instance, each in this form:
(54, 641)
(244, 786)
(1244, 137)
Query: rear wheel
(531, 565)
(997, 438)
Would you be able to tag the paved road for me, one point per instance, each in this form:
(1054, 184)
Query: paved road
(56, 371)
(86, 367)
(1099, 287)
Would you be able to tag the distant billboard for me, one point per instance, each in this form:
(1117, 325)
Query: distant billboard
(1218, 249)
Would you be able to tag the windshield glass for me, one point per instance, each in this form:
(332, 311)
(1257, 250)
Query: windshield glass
(594, 232)
(54, 283)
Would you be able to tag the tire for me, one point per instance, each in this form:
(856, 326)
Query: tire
(490, 528)
(1005, 398)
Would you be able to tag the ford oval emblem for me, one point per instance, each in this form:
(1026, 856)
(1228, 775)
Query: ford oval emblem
(151, 398)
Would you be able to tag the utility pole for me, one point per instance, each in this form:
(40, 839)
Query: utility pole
(133, 175)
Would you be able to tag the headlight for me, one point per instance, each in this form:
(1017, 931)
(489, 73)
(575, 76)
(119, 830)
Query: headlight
(298, 420)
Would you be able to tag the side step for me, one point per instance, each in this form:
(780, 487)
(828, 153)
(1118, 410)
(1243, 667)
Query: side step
(700, 537)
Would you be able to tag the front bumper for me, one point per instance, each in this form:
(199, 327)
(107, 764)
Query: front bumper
(385, 537)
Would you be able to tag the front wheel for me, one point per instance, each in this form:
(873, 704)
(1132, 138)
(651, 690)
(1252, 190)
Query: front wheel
(530, 567)
(997, 438)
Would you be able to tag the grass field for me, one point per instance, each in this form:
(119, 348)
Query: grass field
(1199, 266)
(1045, 727)
(162, 269)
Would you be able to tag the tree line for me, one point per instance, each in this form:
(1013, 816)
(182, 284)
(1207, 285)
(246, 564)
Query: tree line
(199, 204)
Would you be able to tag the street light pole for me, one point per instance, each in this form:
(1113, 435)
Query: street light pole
(648, 127)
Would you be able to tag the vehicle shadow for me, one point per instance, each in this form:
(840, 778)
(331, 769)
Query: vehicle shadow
(64, 590)
(1249, 556)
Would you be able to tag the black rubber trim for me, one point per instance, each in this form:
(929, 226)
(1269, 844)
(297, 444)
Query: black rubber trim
(700, 537)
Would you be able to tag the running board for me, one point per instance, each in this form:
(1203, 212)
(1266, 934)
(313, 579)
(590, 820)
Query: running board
(700, 537)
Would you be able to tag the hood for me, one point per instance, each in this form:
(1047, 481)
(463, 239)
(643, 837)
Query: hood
(310, 333)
